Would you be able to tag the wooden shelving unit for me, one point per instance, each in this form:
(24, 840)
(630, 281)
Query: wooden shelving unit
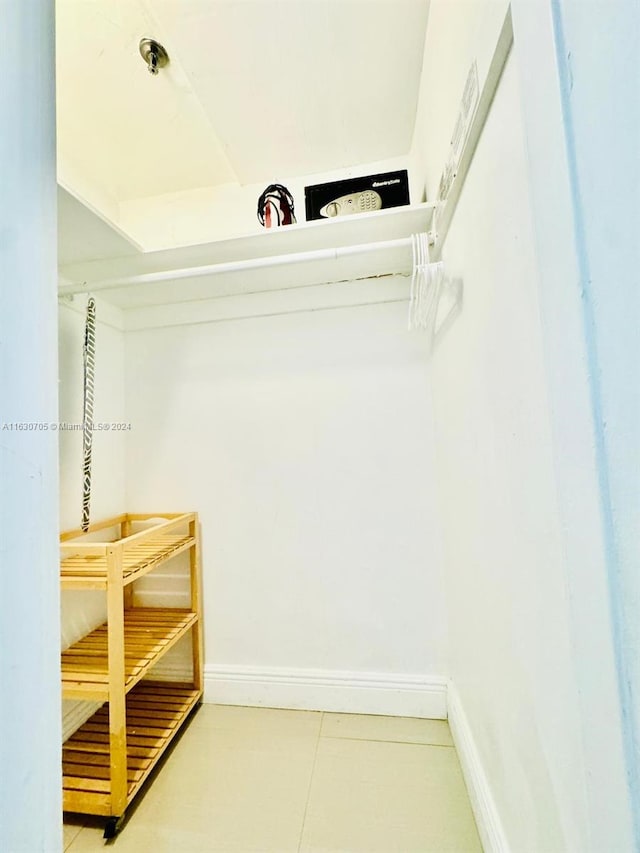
(106, 761)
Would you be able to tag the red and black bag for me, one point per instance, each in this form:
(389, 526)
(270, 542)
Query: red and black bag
(275, 207)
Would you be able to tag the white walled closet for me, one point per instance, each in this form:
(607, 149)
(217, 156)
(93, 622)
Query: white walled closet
(386, 529)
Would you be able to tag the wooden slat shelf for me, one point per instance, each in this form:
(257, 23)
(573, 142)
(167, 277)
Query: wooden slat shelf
(148, 634)
(107, 760)
(155, 713)
(90, 571)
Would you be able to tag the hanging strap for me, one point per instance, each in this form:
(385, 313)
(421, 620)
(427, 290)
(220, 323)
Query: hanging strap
(89, 357)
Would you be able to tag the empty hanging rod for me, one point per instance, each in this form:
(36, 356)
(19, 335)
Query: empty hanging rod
(238, 266)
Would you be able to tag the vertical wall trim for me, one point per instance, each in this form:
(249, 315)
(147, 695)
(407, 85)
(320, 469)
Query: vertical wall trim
(629, 733)
(30, 726)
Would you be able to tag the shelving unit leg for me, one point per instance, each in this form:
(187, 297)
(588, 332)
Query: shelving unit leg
(117, 707)
(112, 826)
(196, 603)
(125, 530)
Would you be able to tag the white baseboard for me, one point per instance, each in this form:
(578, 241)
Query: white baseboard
(483, 804)
(327, 690)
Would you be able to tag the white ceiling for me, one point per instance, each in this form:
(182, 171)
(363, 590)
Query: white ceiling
(294, 87)
(256, 90)
(130, 134)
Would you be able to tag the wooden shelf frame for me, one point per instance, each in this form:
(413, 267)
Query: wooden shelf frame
(86, 565)
(114, 660)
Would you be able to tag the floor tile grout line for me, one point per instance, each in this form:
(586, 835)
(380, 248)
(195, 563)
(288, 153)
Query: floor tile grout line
(68, 846)
(313, 770)
(386, 740)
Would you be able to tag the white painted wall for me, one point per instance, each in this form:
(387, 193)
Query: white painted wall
(538, 696)
(83, 611)
(598, 47)
(583, 494)
(30, 776)
(304, 441)
(512, 661)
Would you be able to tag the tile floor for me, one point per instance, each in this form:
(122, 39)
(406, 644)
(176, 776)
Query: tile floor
(257, 780)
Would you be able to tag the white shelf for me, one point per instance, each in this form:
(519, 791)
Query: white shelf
(84, 235)
(367, 228)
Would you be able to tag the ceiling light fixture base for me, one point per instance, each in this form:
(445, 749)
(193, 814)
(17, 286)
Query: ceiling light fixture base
(153, 54)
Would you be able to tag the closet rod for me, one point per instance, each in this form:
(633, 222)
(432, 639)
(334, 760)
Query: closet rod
(239, 266)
